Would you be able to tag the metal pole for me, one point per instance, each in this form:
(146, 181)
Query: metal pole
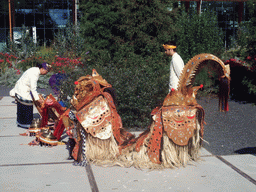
(10, 19)
(200, 9)
(199, 4)
(75, 12)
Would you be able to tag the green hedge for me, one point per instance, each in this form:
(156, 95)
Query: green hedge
(199, 34)
(123, 41)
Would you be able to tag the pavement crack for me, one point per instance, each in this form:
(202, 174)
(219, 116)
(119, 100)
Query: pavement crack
(7, 117)
(91, 178)
(29, 164)
(237, 170)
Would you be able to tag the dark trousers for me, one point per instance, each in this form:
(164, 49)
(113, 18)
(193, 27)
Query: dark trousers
(24, 115)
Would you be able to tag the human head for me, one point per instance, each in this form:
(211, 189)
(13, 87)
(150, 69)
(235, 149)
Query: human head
(44, 68)
(170, 48)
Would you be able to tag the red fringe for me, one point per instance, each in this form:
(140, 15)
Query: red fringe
(59, 129)
(44, 116)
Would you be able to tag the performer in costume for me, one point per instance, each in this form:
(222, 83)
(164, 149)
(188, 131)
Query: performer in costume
(99, 135)
(22, 91)
(173, 139)
(176, 134)
(176, 64)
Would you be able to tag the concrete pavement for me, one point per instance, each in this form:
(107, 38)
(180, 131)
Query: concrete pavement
(27, 168)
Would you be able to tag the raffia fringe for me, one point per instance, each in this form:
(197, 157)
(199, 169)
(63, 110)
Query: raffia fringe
(106, 153)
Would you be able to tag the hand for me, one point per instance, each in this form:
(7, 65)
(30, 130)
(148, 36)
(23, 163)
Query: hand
(40, 101)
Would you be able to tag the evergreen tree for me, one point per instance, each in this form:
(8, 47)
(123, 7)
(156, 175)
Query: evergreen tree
(125, 40)
(137, 26)
(199, 34)
(248, 36)
(244, 77)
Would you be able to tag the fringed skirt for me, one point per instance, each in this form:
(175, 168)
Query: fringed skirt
(24, 112)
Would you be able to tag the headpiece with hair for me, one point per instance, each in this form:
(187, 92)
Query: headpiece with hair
(46, 66)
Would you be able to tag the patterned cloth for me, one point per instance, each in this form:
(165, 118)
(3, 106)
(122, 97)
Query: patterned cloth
(24, 114)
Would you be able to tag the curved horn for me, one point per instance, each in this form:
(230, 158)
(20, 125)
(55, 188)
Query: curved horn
(192, 67)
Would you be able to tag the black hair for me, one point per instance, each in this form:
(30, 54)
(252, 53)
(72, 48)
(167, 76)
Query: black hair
(39, 65)
(171, 43)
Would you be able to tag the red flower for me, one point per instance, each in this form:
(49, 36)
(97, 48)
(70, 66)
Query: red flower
(249, 58)
(18, 72)
(1, 60)
(232, 59)
(76, 83)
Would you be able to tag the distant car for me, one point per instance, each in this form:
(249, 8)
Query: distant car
(17, 37)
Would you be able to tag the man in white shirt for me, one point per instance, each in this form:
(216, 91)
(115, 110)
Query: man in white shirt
(176, 65)
(23, 91)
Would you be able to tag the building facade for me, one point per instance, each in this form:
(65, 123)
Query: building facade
(43, 18)
(229, 13)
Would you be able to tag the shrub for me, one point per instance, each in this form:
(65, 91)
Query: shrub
(68, 42)
(25, 49)
(125, 41)
(66, 65)
(141, 84)
(10, 77)
(124, 27)
(199, 34)
(29, 62)
(7, 61)
(243, 75)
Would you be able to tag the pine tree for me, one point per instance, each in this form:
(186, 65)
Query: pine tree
(138, 26)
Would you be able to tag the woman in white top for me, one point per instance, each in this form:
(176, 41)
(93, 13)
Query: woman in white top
(176, 65)
(24, 90)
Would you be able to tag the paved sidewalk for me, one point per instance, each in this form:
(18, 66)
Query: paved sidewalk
(27, 168)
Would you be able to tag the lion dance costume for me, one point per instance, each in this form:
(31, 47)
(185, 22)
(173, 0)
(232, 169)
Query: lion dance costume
(173, 139)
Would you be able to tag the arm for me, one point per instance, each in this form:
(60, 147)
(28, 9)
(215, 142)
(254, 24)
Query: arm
(178, 66)
(33, 85)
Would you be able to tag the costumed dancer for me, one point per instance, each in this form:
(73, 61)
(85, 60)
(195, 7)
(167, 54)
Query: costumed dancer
(24, 87)
(176, 134)
(99, 134)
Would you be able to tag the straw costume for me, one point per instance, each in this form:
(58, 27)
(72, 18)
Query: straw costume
(173, 139)
(99, 134)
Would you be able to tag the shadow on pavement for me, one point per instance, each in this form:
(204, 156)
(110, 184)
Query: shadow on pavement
(247, 150)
